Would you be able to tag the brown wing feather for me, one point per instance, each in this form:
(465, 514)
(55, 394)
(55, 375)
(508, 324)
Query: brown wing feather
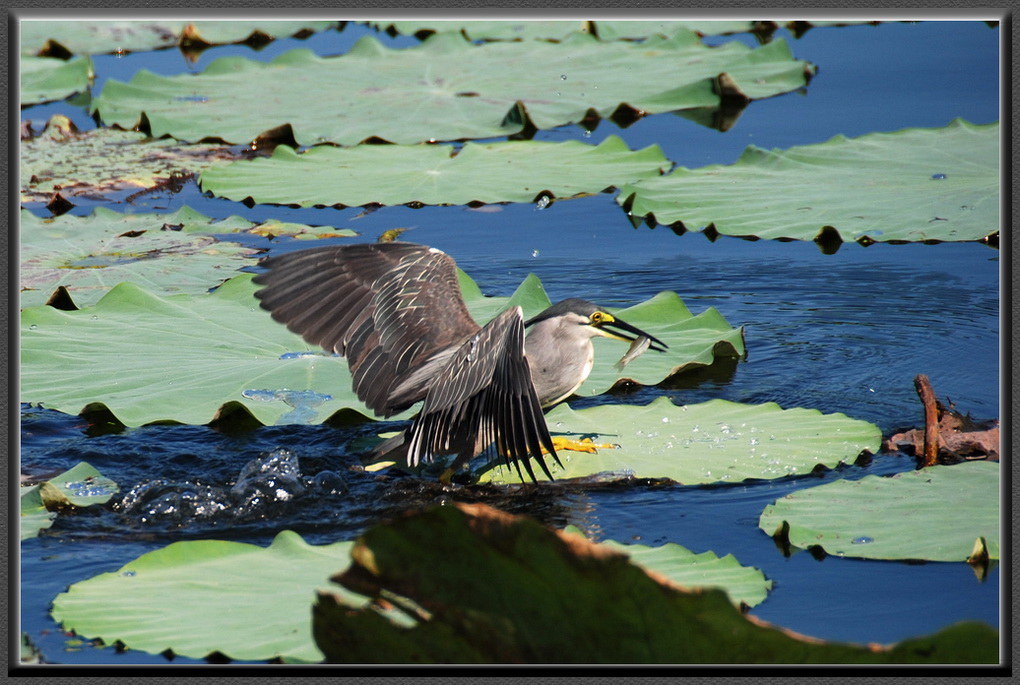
(366, 303)
(484, 397)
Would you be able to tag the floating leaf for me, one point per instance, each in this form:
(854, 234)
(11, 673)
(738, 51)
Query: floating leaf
(197, 597)
(44, 79)
(515, 171)
(910, 185)
(936, 513)
(164, 252)
(189, 359)
(488, 587)
(95, 37)
(743, 584)
(716, 441)
(559, 30)
(80, 486)
(106, 163)
(34, 515)
(445, 89)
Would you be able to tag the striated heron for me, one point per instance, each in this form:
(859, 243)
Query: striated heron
(395, 311)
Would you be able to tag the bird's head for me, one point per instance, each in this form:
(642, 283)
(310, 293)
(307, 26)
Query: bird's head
(596, 322)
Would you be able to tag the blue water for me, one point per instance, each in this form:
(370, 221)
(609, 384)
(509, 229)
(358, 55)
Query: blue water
(844, 332)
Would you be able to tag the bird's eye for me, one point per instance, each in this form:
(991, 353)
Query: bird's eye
(597, 317)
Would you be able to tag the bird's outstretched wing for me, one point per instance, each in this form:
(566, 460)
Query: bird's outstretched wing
(387, 307)
(484, 397)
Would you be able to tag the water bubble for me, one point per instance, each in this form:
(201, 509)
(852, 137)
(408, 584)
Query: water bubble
(863, 540)
(330, 482)
(938, 177)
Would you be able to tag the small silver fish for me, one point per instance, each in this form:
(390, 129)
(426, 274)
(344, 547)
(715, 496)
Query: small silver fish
(636, 349)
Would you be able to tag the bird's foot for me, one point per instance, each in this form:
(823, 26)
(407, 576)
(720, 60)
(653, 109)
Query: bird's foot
(583, 445)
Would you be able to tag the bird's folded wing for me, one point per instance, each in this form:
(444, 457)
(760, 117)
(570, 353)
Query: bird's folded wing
(483, 397)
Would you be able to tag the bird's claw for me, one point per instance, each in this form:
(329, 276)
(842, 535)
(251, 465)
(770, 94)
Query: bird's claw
(583, 445)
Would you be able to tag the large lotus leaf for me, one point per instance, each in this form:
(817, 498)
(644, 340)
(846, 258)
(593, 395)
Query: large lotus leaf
(487, 30)
(167, 253)
(197, 597)
(80, 486)
(44, 78)
(95, 37)
(446, 89)
(743, 584)
(106, 163)
(558, 30)
(936, 513)
(716, 441)
(208, 578)
(910, 185)
(515, 171)
(150, 358)
(488, 587)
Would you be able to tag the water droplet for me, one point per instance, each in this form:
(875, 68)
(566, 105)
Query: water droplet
(534, 253)
(95, 318)
(542, 202)
(665, 419)
(753, 441)
(587, 134)
(863, 540)
(563, 77)
(128, 574)
(32, 327)
(938, 177)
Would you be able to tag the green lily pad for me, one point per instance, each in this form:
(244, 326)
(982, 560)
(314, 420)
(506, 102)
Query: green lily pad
(34, 514)
(44, 79)
(426, 93)
(97, 37)
(909, 185)
(936, 513)
(743, 584)
(487, 587)
(80, 486)
(150, 358)
(558, 30)
(209, 584)
(715, 441)
(167, 253)
(106, 163)
(197, 597)
(516, 171)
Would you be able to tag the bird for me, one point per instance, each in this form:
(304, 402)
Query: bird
(395, 311)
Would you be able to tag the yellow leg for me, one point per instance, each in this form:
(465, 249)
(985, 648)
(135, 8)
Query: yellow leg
(583, 445)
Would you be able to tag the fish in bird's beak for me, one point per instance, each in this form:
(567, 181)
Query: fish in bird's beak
(611, 327)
